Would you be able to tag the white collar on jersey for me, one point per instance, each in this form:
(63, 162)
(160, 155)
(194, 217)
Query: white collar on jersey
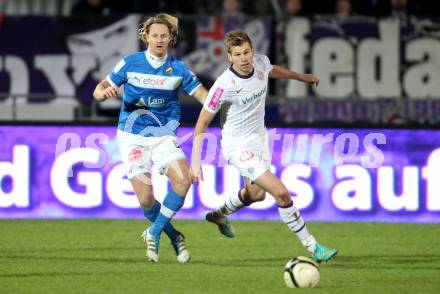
(155, 61)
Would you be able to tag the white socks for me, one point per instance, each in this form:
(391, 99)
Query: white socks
(231, 205)
(293, 219)
(290, 216)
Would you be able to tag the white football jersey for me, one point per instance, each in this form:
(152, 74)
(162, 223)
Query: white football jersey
(241, 100)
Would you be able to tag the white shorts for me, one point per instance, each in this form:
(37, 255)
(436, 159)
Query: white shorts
(251, 156)
(137, 152)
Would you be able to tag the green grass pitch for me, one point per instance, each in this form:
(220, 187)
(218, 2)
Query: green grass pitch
(108, 256)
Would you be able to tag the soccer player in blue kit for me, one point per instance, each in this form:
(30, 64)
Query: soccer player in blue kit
(147, 125)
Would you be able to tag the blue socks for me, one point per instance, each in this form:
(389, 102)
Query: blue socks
(171, 205)
(151, 215)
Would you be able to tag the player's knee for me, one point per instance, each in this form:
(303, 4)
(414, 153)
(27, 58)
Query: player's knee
(185, 183)
(259, 195)
(182, 186)
(283, 197)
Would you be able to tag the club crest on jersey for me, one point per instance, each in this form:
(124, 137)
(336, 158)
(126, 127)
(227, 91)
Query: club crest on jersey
(169, 69)
(236, 86)
(260, 75)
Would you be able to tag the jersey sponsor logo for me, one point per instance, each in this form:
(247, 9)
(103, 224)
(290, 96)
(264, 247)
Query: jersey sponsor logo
(150, 102)
(253, 97)
(155, 102)
(215, 98)
(152, 82)
(149, 81)
(141, 102)
(138, 80)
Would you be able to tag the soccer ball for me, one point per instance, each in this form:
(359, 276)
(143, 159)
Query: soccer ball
(301, 272)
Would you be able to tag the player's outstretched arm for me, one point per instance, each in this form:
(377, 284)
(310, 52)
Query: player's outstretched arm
(200, 94)
(104, 91)
(203, 122)
(279, 72)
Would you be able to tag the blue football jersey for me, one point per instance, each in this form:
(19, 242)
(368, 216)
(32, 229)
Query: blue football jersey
(150, 103)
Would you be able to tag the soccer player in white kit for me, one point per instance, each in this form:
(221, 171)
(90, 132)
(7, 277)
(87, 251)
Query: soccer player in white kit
(240, 93)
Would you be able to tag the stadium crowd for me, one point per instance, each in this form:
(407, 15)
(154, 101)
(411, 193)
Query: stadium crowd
(277, 8)
(230, 7)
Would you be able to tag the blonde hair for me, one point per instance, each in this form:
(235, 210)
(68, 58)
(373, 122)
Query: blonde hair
(236, 38)
(162, 18)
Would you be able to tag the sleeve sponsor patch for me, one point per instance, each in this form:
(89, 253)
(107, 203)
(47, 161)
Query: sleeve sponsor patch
(215, 98)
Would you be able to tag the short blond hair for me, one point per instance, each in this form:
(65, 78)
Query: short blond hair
(162, 18)
(236, 38)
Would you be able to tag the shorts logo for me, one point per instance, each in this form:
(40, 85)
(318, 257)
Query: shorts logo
(136, 168)
(245, 156)
(134, 155)
(215, 98)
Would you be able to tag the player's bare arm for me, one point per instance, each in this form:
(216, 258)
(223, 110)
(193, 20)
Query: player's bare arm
(105, 90)
(279, 72)
(203, 122)
(200, 94)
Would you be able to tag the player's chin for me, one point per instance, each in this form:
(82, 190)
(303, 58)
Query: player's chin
(160, 49)
(246, 68)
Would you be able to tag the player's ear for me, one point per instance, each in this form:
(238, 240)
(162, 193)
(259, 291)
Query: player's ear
(230, 57)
